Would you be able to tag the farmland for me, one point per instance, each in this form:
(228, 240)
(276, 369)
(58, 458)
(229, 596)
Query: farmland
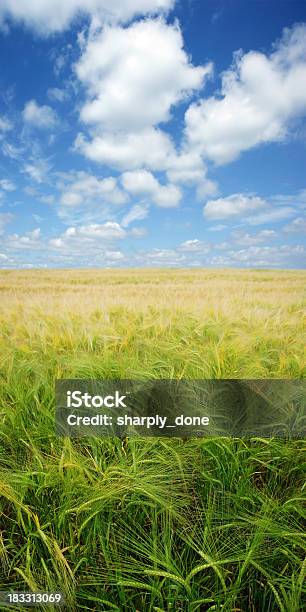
(149, 524)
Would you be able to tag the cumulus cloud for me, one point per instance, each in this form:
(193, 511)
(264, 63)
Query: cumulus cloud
(150, 147)
(126, 101)
(231, 206)
(30, 240)
(93, 232)
(88, 189)
(70, 198)
(47, 17)
(260, 95)
(143, 183)
(186, 168)
(87, 245)
(123, 93)
(84, 198)
(249, 209)
(139, 182)
(42, 117)
(123, 121)
(167, 196)
(194, 246)
(107, 231)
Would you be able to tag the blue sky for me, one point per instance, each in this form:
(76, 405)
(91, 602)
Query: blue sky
(154, 133)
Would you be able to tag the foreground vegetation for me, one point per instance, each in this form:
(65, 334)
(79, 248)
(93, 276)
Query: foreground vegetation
(155, 524)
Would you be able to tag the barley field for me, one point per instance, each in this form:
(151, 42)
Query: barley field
(149, 524)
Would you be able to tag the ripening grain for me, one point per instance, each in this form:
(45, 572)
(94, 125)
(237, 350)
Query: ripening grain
(149, 525)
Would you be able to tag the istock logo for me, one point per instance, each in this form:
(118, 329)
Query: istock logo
(77, 399)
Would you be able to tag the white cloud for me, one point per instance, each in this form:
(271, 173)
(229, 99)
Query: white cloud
(206, 188)
(88, 189)
(267, 256)
(271, 215)
(123, 94)
(84, 245)
(7, 185)
(70, 198)
(260, 95)
(249, 209)
(150, 147)
(108, 231)
(126, 101)
(114, 255)
(186, 168)
(92, 233)
(11, 151)
(57, 95)
(46, 17)
(162, 257)
(57, 243)
(138, 212)
(143, 183)
(139, 182)
(298, 225)
(245, 239)
(231, 206)
(167, 196)
(37, 170)
(85, 198)
(30, 240)
(194, 246)
(42, 117)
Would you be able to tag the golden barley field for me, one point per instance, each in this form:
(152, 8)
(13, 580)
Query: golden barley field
(208, 323)
(152, 525)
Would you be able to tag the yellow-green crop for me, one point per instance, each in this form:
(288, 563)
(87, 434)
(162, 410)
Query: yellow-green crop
(149, 524)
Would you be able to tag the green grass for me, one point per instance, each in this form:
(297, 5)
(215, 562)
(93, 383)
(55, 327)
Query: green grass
(149, 524)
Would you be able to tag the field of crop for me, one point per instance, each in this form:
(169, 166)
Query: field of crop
(149, 524)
